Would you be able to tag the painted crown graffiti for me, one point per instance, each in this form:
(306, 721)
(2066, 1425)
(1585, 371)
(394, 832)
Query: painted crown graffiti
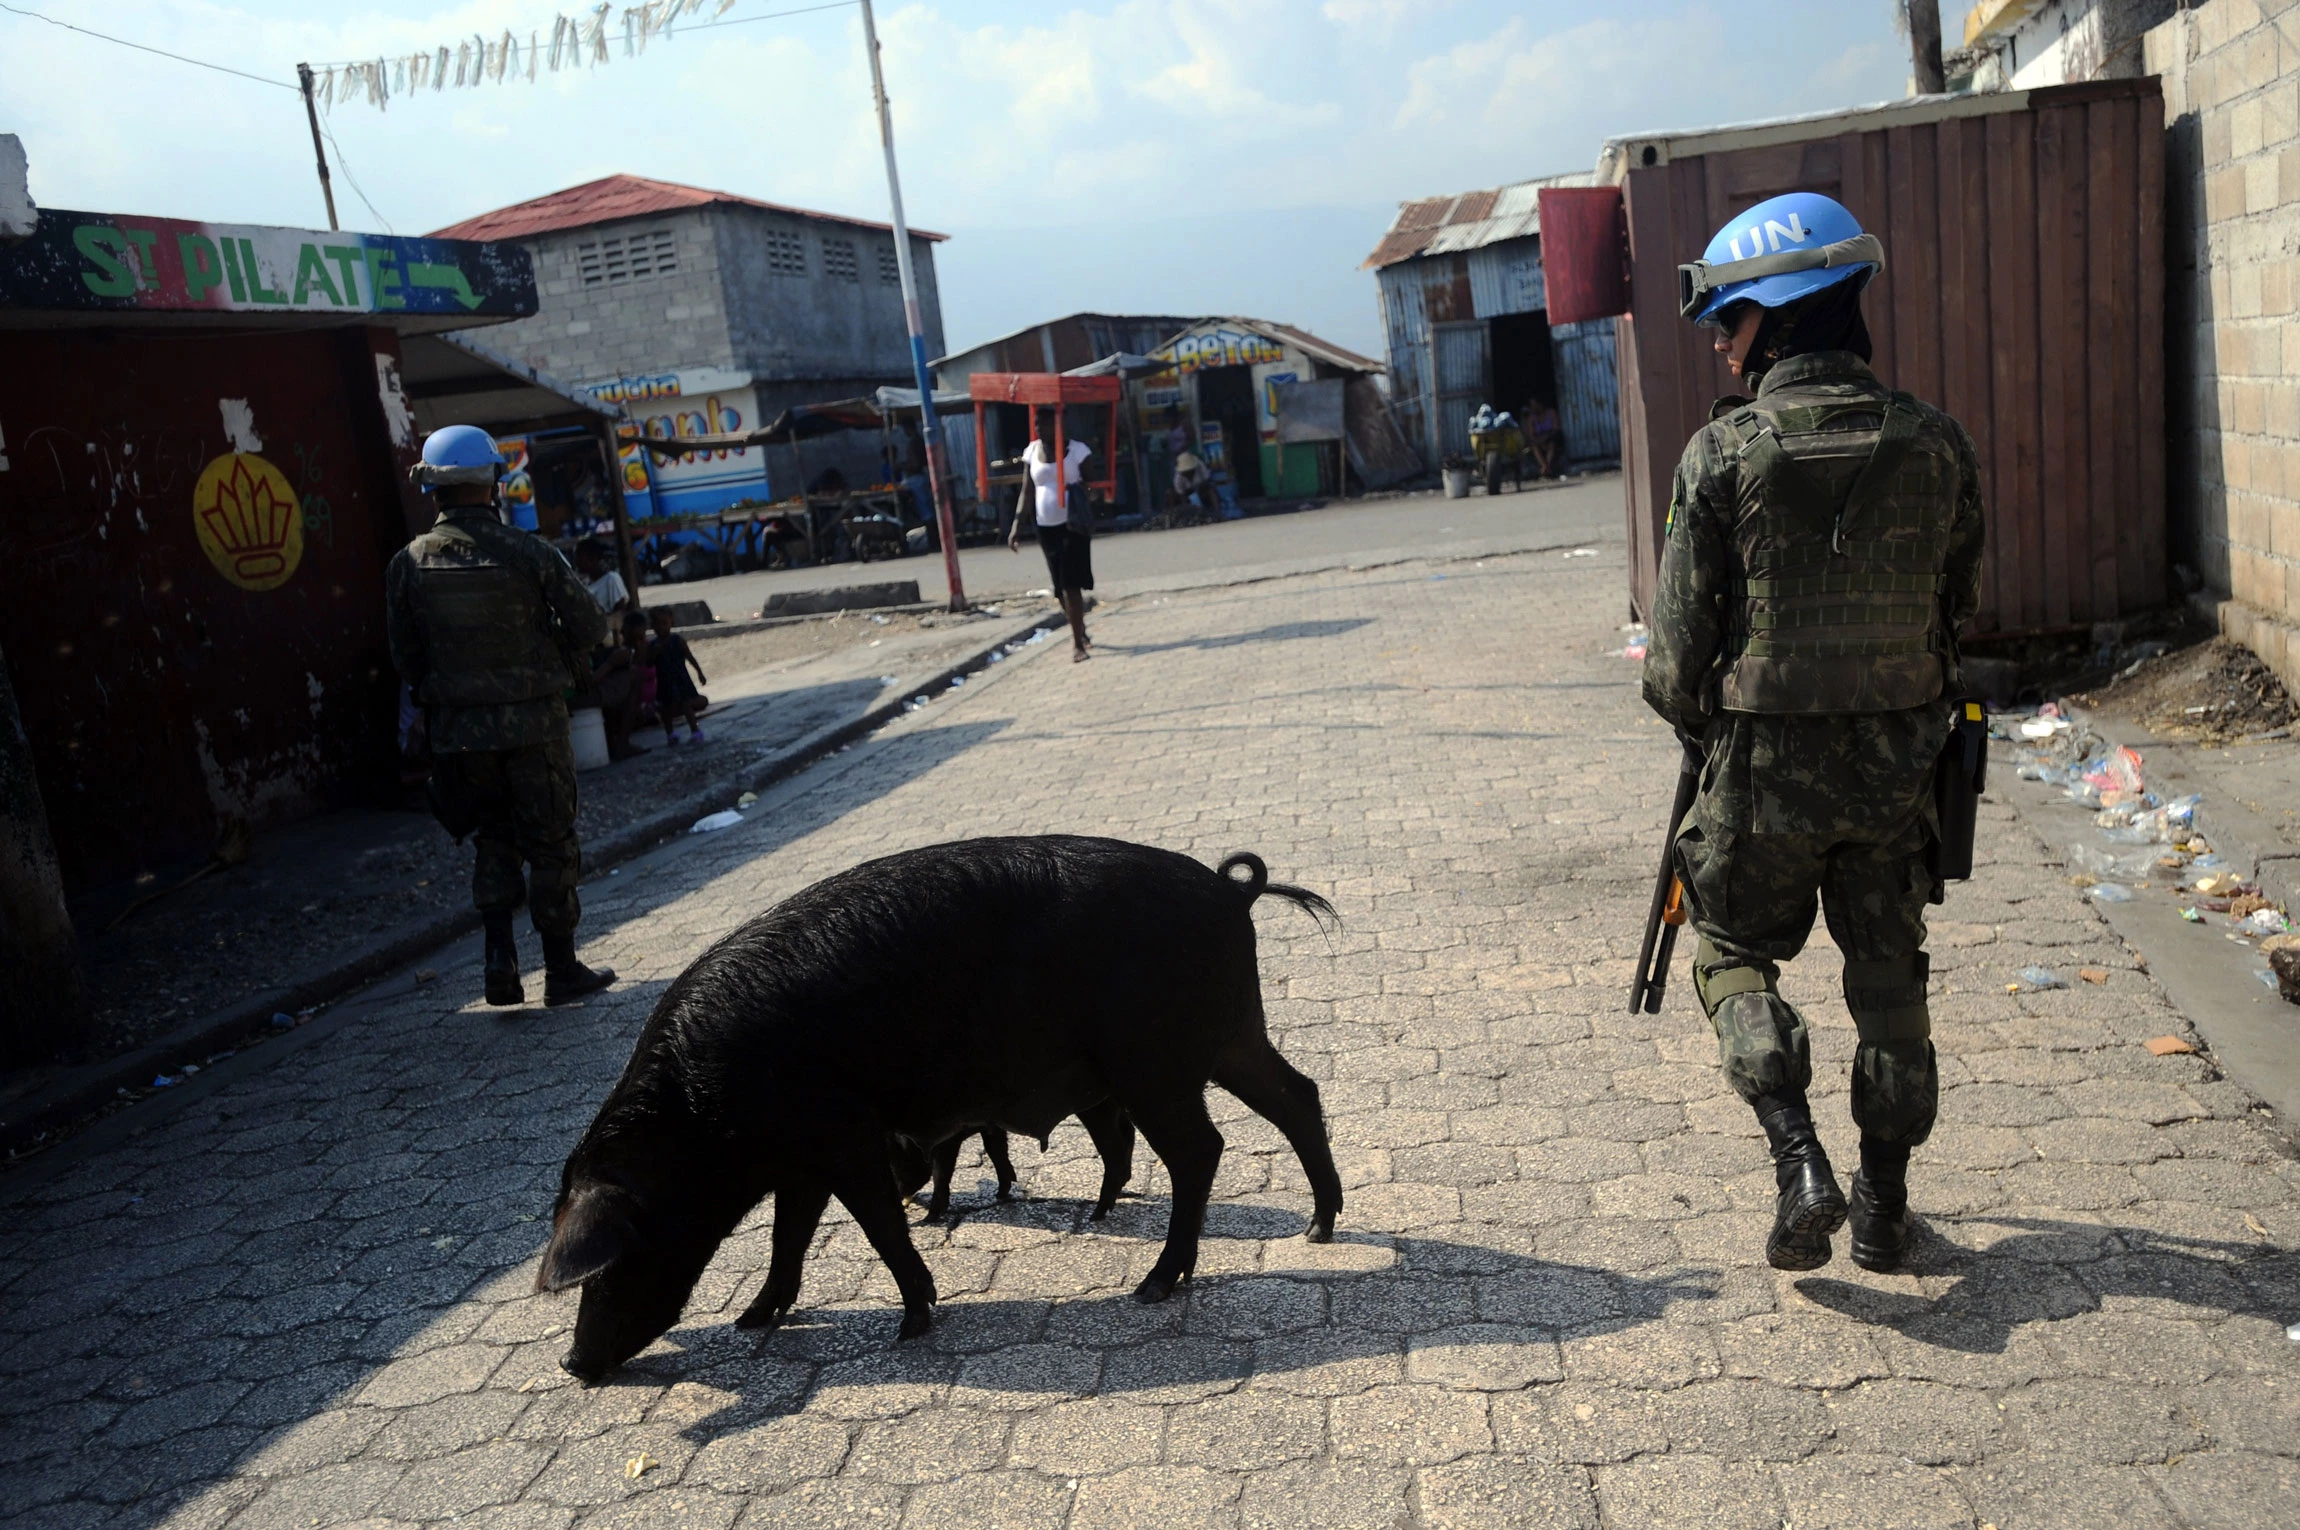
(248, 520)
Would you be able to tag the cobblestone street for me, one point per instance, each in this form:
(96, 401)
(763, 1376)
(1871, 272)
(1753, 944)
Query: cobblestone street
(306, 1297)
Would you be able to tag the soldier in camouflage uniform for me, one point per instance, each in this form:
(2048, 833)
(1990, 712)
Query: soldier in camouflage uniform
(1823, 545)
(487, 625)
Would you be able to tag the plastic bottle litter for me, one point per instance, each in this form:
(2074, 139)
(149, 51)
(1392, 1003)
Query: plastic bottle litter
(2108, 866)
(717, 821)
(2041, 977)
(2042, 727)
(2109, 892)
(2267, 979)
(2266, 921)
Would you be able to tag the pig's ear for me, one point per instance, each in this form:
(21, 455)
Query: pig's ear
(589, 1235)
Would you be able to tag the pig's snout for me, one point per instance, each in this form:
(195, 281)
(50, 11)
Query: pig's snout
(584, 1369)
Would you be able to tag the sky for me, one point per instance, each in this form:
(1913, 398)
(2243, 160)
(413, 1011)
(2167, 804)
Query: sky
(1150, 156)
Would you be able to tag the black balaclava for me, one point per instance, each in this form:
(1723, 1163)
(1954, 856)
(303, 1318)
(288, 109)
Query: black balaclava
(1829, 320)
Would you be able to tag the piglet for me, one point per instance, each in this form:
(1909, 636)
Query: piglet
(986, 982)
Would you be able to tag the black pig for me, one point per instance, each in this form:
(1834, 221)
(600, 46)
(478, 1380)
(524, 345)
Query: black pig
(1006, 982)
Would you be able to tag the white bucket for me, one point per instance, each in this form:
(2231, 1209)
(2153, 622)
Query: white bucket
(587, 731)
(1456, 482)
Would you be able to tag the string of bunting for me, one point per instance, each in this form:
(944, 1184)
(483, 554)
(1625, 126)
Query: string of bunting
(583, 41)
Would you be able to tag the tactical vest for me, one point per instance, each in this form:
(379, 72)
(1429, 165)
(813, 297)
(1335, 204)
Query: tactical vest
(1842, 530)
(485, 624)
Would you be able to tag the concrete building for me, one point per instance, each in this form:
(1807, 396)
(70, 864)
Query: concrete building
(1465, 309)
(703, 312)
(2024, 44)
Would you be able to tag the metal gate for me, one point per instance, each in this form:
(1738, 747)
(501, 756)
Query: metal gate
(1460, 372)
(1588, 390)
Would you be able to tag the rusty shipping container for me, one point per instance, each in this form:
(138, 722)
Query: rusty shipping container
(2023, 293)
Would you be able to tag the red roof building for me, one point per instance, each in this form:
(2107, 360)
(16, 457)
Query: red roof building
(614, 197)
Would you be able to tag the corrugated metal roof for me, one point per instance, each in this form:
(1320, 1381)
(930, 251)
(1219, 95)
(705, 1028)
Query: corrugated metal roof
(1646, 151)
(1468, 221)
(615, 197)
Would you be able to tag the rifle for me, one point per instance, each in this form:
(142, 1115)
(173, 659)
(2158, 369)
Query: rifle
(1668, 910)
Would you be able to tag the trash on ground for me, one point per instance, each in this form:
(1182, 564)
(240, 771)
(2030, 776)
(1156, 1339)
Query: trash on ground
(639, 1465)
(2094, 975)
(2217, 883)
(2292, 1332)
(2283, 953)
(746, 799)
(1037, 635)
(1580, 552)
(163, 1081)
(2109, 892)
(2264, 921)
(283, 1021)
(2256, 1224)
(2108, 866)
(2041, 977)
(2192, 916)
(2165, 1046)
(2268, 979)
(716, 821)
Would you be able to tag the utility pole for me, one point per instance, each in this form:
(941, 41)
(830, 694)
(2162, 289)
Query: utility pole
(1924, 18)
(311, 115)
(915, 317)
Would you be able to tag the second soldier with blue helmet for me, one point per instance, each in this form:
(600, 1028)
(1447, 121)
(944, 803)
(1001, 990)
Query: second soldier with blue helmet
(1823, 548)
(489, 626)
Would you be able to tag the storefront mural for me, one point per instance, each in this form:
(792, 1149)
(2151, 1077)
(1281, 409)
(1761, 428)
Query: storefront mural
(249, 521)
(102, 262)
(704, 401)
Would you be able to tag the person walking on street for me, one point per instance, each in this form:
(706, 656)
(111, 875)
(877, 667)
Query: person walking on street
(1823, 547)
(1057, 495)
(489, 626)
(676, 697)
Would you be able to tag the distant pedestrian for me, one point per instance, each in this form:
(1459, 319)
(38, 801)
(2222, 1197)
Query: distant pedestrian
(1057, 497)
(488, 625)
(604, 582)
(676, 696)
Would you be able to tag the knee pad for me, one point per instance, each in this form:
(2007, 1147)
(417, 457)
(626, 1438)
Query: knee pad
(1718, 977)
(1896, 1091)
(1762, 1045)
(1887, 998)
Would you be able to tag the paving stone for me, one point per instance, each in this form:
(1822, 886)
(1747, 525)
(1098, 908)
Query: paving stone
(1506, 1493)
(1688, 1489)
(1871, 1492)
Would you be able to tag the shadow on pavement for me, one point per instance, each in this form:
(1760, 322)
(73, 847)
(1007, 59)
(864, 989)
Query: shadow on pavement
(1283, 632)
(2051, 1270)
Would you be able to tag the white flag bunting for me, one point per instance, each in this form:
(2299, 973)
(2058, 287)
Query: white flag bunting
(583, 41)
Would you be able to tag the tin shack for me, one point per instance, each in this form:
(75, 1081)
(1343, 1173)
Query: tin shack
(1465, 308)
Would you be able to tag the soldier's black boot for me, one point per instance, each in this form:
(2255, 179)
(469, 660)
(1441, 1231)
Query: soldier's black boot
(565, 979)
(503, 985)
(1810, 1206)
(1881, 1225)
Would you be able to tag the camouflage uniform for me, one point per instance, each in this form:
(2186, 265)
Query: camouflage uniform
(1824, 543)
(487, 626)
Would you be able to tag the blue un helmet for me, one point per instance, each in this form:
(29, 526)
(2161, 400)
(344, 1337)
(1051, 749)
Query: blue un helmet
(457, 454)
(1777, 252)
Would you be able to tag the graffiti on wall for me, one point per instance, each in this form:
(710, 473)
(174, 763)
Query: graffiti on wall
(249, 521)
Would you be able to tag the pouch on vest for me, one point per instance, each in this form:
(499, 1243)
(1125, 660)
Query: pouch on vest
(1838, 607)
(485, 626)
(1959, 778)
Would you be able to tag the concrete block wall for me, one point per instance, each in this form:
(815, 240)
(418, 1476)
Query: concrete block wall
(2231, 71)
(820, 324)
(627, 328)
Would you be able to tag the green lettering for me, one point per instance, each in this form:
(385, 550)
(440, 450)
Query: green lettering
(383, 282)
(103, 246)
(346, 258)
(148, 264)
(232, 270)
(310, 270)
(256, 287)
(203, 268)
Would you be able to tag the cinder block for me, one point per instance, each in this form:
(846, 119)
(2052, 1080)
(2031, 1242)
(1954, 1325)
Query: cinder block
(2260, 185)
(2280, 109)
(2261, 50)
(2244, 127)
(2284, 529)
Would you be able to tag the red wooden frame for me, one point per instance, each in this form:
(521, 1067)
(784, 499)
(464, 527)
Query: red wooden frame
(1052, 390)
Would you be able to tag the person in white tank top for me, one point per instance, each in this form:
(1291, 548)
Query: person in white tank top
(1053, 494)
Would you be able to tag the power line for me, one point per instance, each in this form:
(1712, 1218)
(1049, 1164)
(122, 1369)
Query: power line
(343, 163)
(142, 48)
